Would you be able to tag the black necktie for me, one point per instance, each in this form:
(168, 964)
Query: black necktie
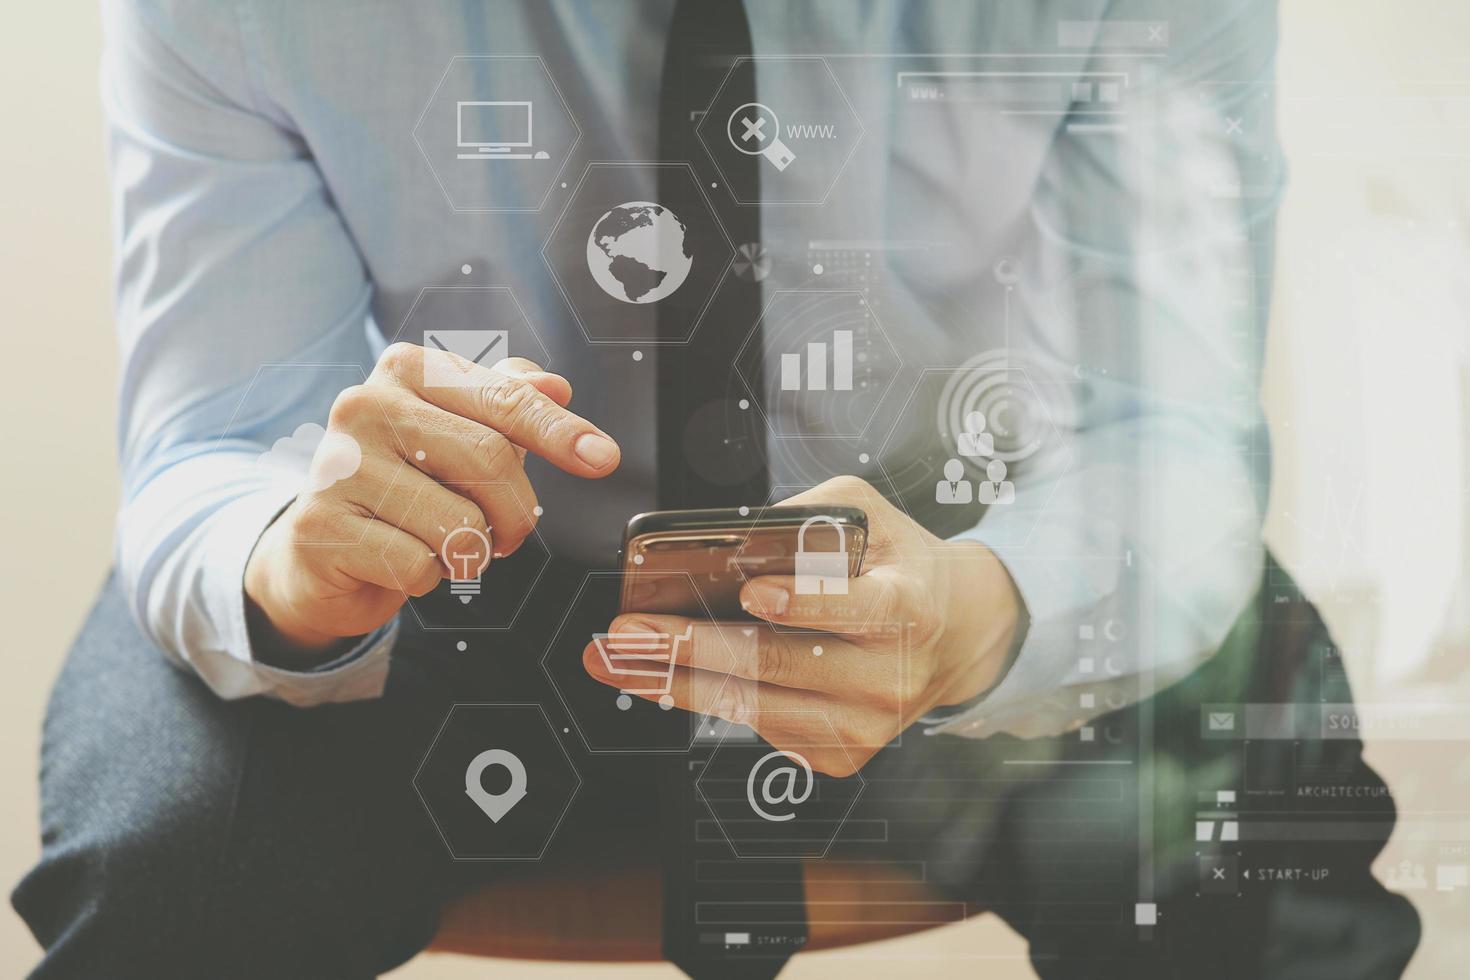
(711, 453)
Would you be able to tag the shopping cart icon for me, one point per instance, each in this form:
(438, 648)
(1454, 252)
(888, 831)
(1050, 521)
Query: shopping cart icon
(646, 655)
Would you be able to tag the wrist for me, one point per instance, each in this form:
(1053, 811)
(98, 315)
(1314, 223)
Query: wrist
(277, 637)
(984, 616)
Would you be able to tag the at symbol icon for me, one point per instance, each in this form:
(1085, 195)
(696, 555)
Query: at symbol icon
(786, 784)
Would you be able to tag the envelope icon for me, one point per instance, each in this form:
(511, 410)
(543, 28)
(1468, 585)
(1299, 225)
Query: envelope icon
(482, 347)
(1222, 721)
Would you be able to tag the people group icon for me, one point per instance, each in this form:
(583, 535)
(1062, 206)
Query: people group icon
(975, 443)
(974, 440)
(954, 488)
(996, 489)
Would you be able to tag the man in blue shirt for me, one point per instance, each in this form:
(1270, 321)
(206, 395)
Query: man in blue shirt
(1089, 193)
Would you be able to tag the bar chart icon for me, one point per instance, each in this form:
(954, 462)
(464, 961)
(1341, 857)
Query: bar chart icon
(816, 366)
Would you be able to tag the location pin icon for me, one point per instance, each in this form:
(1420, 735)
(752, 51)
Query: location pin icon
(495, 805)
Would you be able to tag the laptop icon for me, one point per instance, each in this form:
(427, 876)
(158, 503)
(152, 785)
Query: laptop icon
(495, 131)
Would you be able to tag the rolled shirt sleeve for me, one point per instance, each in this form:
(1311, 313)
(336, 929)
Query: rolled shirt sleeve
(1134, 541)
(234, 276)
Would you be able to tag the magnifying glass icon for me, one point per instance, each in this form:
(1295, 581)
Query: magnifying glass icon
(754, 129)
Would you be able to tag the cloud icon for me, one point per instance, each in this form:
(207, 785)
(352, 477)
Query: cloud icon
(312, 458)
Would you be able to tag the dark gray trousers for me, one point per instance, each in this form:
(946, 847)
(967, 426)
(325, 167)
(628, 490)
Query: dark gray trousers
(184, 836)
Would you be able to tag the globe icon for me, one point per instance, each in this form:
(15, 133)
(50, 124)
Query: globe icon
(639, 252)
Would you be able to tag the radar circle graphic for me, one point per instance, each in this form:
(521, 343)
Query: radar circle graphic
(994, 384)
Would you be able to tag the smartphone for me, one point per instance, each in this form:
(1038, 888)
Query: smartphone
(720, 549)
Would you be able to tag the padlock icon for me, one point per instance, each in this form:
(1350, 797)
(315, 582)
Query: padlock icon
(821, 572)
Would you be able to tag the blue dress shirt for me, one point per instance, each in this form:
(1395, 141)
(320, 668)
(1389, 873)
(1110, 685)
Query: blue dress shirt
(1093, 194)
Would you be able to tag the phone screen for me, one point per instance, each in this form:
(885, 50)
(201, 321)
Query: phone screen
(692, 561)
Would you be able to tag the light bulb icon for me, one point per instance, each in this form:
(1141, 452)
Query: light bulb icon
(466, 553)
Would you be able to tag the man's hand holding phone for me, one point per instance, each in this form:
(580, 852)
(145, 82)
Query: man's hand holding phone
(462, 462)
(955, 600)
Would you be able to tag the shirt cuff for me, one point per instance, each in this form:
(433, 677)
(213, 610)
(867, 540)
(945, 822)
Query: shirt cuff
(1029, 699)
(358, 674)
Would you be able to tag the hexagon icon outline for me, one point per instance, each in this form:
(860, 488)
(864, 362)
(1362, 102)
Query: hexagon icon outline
(846, 103)
(1065, 447)
(716, 283)
(551, 677)
(297, 366)
(554, 177)
(439, 732)
(757, 398)
(403, 327)
(532, 581)
(862, 785)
